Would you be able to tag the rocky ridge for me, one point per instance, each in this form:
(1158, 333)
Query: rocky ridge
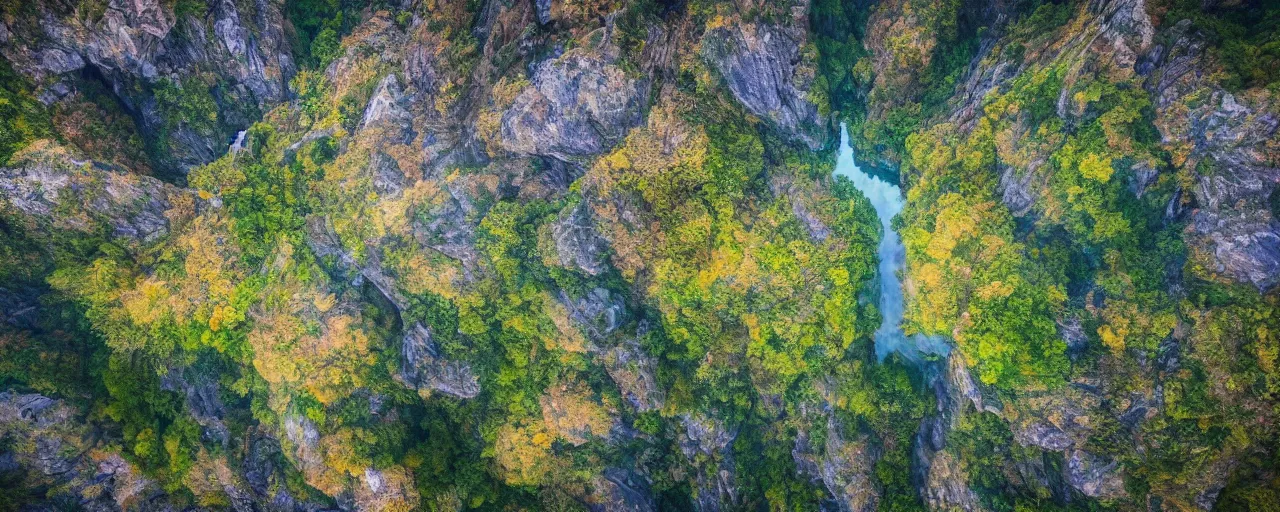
(421, 118)
(137, 48)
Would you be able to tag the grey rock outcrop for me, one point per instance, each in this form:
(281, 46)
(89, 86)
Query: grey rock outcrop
(1094, 476)
(325, 243)
(264, 474)
(600, 316)
(947, 486)
(598, 313)
(578, 244)
(383, 490)
(1230, 142)
(578, 105)
(818, 230)
(51, 441)
(44, 419)
(942, 480)
(1072, 332)
(706, 442)
(760, 64)
(1053, 421)
(369, 489)
(427, 372)
(1221, 144)
(1061, 422)
(1243, 245)
(76, 461)
(634, 371)
(18, 307)
(845, 467)
(135, 46)
(202, 401)
(620, 490)
(544, 11)
(303, 442)
(1018, 192)
(55, 191)
(1045, 435)
(386, 106)
(801, 206)
(450, 228)
(387, 120)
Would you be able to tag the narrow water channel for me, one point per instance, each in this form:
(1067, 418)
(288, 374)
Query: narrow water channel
(887, 200)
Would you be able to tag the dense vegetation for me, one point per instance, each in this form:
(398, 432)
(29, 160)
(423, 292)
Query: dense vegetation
(1090, 250)
(318, 25)
(723, 332)
(239, 298)
(23, 119)
(1244, 40)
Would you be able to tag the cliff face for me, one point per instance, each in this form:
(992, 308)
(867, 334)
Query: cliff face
(761, 64)
(1094, 129)
(575, 255)
(188, 78)
(1220, 142)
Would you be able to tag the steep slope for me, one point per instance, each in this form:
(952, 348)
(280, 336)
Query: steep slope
(485, 257)
(1080, 209)
(591, 255)
(186, 75)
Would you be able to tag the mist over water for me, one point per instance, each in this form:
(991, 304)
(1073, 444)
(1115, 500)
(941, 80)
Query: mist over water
(887, 200)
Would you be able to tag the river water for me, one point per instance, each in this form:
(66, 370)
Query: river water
(887, 200)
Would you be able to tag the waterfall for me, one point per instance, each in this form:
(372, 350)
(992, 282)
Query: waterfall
(887, 200)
